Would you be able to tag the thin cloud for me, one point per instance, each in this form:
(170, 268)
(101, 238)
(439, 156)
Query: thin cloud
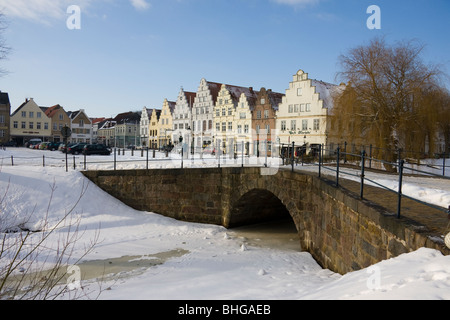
(39, 10)
(140, 5)
(297, 3)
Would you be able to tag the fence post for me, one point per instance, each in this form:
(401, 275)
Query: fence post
(338, 152)
(147, 158)
(242, 154)
(292, 155)
(74, 165)
(443, 164)
(320, 160)
(85, 161)
(43, 161)
(12, 161)
(345, 152)
(400, 181)
(182, 155)
(363, 153)
(115, 151)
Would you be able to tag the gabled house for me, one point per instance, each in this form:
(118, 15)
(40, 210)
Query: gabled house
(264, 121)
(28, 122)
(182, 117)
(59, 118)
(225, 126)
(165, 124)
(153, 128)
(81, 127)
(303, 114)
(203, 113)
(127, 129)
(5, 111)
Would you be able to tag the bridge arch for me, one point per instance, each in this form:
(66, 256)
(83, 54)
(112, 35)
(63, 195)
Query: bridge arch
(255, 206)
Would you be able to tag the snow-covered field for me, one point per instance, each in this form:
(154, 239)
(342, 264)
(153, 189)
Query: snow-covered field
(159, 258)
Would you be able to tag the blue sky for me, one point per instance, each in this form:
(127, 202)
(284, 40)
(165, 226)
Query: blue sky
(134, 53)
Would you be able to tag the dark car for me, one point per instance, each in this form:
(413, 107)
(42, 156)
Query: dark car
(53, 145)
(100, 149)
(76, 149)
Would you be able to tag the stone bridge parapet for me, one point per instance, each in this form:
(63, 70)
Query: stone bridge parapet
(342, 232)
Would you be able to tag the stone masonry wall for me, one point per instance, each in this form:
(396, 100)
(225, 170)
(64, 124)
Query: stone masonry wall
(341, 232)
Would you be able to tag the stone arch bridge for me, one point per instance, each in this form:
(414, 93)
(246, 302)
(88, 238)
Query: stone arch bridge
(342, 232)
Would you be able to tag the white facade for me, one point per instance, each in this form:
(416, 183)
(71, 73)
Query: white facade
(243, 122)
(182, 117)
(202, 114)
(144, 125)
(303, 113)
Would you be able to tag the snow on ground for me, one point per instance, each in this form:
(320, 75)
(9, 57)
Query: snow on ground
(174, 260)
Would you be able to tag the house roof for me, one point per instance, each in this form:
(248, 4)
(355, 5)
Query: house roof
(326, 91)
(51, 111)
(128, 117)
(4, 98)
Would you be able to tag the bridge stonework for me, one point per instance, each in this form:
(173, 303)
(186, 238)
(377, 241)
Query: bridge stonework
(342, 232)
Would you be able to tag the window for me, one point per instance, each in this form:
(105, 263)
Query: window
(46, 126)
(39, 115)
(266, 114)
(239, 129)
(31, 125)
(217, 113)
(246, 128)
(38, 126)
(308, 107)
(2, 118)
(299, 91)
(16, 125)
(224, 126)
(242, 115)
(31, 114)
(296, 108)
(293, 125)
(267, 128)
(258, 127)
(304, 124)
(263, 101)
(283, 125)
(24, 125)
(316, 124)
(230, 111)
(217, 126)
(258, 114)
(291, 108)
(230, 126)
(302, 107)
(24, 114)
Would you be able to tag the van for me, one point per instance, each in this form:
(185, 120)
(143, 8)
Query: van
(33, 142)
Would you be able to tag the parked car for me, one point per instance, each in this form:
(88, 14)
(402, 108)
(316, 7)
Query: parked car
(33, 143)
(53, 145)
(43, 146)
(100, 149)
(63, 147)
(76, 149)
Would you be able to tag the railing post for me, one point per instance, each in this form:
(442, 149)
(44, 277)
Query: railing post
(345, 152)
(85, 161)
(43, 161)
(338, 152)
(443, 164)
(115, 152)
(292, 155)
(400, 181)
(12, 161)
(242, 152)
(320, 159)
(182, 155)
(147, 158)
(363, 153)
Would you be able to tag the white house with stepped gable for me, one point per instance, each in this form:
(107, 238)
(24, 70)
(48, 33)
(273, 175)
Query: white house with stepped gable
(303, 114)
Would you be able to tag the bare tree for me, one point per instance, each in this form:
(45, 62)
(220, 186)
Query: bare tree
(4, 48)
(32, 266)
(387, 101)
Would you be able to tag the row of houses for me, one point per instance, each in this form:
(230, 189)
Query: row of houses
(230, 117)
(223, 116)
